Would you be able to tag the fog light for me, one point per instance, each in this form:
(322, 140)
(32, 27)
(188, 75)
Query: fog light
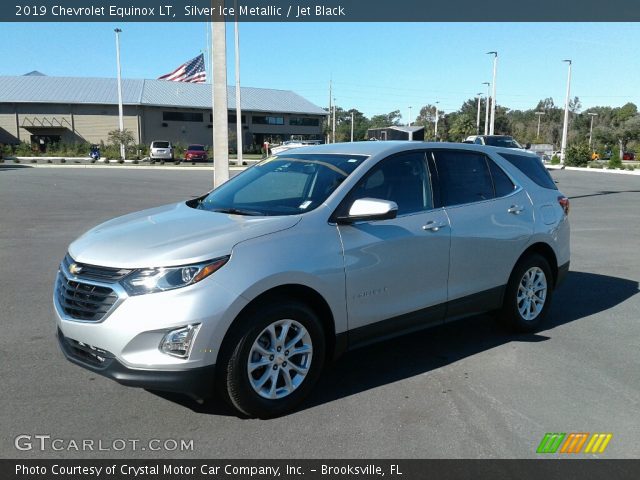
(179, 342)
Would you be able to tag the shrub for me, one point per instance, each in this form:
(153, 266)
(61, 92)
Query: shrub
(121, 161)
(106, 160)
(136, 161)
(49, 161)
(177, 162)
(577, 155)
(24, 150)
(34, 160)
(615, 162)
(62, 160)
(555, 160)
(16, 160)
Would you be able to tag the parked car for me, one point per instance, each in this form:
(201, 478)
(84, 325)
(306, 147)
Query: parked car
(161, 150)
(196, 153)
(628, 156)
(254, 286)
(505, 141)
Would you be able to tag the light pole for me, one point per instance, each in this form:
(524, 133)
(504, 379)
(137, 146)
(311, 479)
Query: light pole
(539, 114)
(493, 96)
(436, 126)
(565, 127)
(486, 108)
(478, 118)
(352, 125)
(592, 115)
(409, 115)
(120, 114)
(219, 99)
(333, 127)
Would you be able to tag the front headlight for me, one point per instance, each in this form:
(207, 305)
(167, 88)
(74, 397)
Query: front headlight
(152, 280)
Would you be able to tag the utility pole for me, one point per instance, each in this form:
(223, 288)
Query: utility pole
(592, 115)
(493, 96)
(436, 126)
(120, 112)
(352, 125)
(539, 114)
(330, 113)
(478, 118)
(333, 127)
(219, 97)
(238, 102)
(486, 109)
(565, 127)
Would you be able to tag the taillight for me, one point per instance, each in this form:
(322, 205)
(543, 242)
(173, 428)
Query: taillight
(564, 203)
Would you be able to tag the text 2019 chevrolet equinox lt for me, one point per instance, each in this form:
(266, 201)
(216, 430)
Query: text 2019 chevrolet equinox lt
(251, 289)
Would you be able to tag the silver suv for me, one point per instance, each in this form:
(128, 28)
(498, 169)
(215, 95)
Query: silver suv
(161, 150)
(253, 287)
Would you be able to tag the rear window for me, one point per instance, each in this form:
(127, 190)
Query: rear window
(532, 167)
(197, 148)
(160, 145)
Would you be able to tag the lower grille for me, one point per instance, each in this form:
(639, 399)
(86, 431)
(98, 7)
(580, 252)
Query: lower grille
(84, 301)
(85, 353)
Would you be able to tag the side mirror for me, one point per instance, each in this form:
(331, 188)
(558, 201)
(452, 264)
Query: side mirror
(368, 209)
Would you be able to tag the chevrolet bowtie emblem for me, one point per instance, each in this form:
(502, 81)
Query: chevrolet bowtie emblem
(75, 269)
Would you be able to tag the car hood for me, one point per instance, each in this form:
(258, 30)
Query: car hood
(170, 235)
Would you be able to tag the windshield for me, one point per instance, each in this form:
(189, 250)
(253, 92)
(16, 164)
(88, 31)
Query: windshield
(506, 142)
(197, 148)
(160, 145)
(282, 185)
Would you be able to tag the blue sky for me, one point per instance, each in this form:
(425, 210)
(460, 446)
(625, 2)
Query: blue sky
(375, 67)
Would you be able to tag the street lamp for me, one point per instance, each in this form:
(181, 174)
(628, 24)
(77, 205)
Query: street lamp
(493, 96)
(486, 108)
(436, 126)
(539, 114)
(120, 114)
(592, 115)
(409, 115)
(565, 127)
(478, 117)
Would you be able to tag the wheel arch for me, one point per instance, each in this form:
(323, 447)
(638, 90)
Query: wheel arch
(305, 295)
(545, 250)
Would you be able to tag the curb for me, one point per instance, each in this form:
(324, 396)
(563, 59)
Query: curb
(131, 167)
(604, 170)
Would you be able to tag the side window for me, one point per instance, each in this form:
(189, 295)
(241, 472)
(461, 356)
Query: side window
(501, 183)
(463, 177)
(532, 167)
(478, 141)
(402, 179)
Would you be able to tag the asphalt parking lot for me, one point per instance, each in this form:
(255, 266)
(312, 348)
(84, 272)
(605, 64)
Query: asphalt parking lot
(465, 390)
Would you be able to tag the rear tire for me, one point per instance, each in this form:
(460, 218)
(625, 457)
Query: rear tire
(528, 295)
(272, 358)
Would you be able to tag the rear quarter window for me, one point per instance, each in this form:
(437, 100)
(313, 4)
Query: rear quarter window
(532, 167)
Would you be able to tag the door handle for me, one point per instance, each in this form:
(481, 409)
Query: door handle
(515, 209)
(434, 226)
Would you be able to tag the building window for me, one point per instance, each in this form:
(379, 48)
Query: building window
(304, 121)
(267, 120)
(230, 118)
(182, 116)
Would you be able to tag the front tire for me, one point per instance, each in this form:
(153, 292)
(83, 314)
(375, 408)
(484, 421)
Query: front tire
(273, 357)
(528, 295)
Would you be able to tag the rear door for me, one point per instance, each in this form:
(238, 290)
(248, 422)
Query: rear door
(491, 223)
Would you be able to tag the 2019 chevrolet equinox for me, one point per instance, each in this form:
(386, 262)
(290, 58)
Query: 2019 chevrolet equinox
(251, 288)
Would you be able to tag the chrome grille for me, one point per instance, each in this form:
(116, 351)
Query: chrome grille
(103, 274)
(84, 301)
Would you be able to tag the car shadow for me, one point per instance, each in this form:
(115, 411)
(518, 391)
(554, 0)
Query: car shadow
(603, 192)
(581, 295)
(17, 166)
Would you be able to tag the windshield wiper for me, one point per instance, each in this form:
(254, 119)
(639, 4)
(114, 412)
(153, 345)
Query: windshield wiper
(238, 211)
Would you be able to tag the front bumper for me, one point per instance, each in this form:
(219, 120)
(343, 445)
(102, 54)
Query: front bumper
(197, 382)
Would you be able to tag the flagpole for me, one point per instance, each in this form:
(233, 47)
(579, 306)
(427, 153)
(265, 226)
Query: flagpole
(219, 97)
(238, 102)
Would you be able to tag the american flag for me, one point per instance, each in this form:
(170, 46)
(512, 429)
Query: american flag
(192, 71)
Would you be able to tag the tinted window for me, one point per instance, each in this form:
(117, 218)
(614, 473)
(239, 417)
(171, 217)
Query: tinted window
(532, 167)
(402, 179)
(506, 142)
(463, 177)
(160, 145)
(501, 183)
(182, 116)
(197, 148)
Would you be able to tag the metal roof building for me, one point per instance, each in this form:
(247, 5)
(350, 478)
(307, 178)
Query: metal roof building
(85, 109)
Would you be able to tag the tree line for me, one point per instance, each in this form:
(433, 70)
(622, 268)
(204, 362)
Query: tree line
(613, 127)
